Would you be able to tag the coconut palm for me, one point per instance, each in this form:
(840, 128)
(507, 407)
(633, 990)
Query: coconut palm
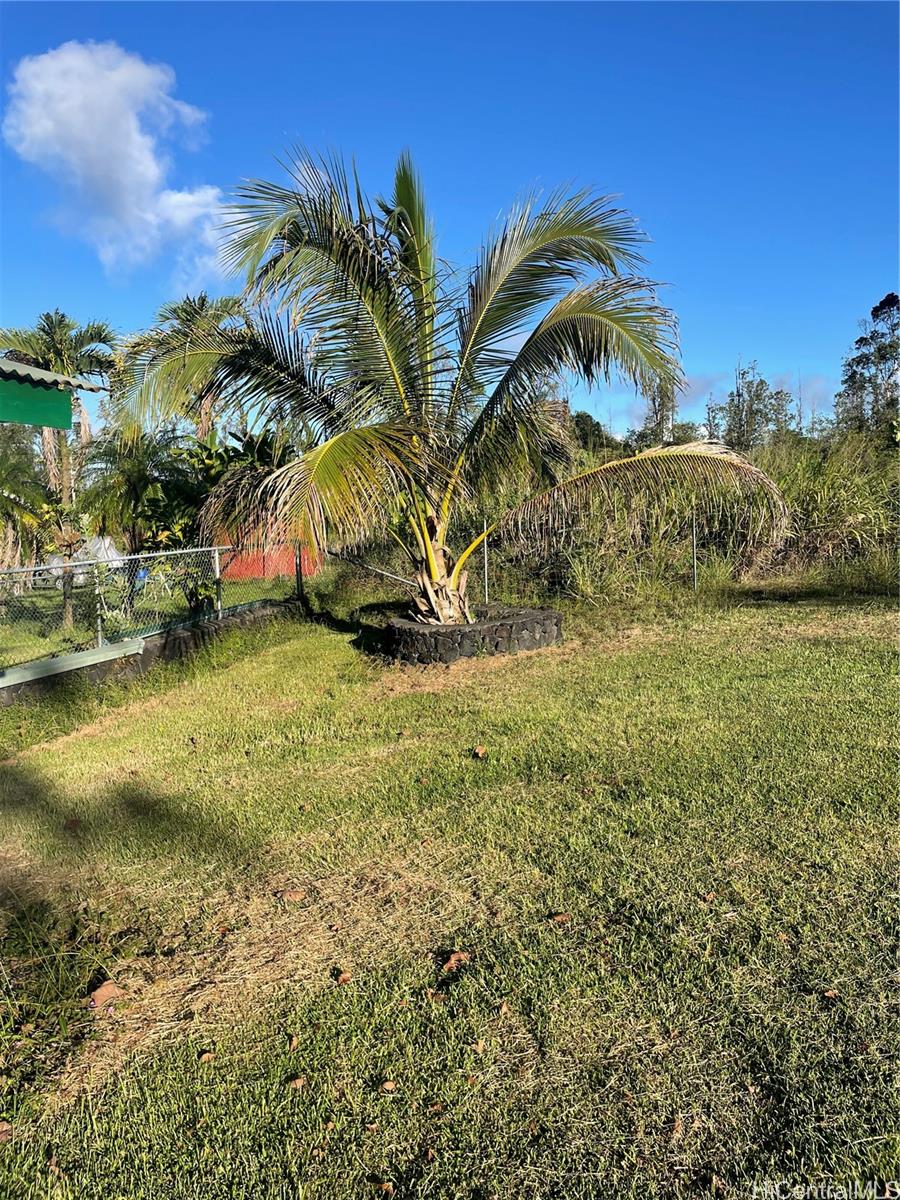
(178, 325)
(409, 394)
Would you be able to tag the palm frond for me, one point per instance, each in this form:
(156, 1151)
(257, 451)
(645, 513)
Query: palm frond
(408, 221)
(538, 254)
(611, 327)
(319, 250)
(332, 495)
(260, 367)
(705, 474)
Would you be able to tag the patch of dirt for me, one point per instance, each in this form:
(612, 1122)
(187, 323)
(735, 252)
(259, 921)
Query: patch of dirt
(402, 680)
(349, 921)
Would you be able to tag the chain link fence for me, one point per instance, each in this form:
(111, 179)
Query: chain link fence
(64, 606)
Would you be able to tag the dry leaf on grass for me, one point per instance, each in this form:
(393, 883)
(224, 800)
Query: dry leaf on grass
(478, 1046)
(503, 1010)
(456, 959)
(298, 1084)
(293, 895)
(479, 752)
(560, 918)
(388, 1086)
(6, 1131)
(344, 977)
(206, 1056)
(106, 994)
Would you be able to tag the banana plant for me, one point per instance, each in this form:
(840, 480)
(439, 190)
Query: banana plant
(407, 391)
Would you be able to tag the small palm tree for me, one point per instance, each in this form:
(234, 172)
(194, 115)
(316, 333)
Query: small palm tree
(409, 394)
(22, 494)
(126, 481)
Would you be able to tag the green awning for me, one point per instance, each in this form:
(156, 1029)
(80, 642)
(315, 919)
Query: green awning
(32, 396)
(23, 404)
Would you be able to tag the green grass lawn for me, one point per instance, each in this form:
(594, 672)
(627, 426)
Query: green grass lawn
(671, 877)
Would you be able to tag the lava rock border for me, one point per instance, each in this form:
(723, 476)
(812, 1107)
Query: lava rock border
(505, 632)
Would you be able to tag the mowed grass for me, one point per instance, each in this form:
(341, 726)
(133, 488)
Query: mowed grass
(670, 869)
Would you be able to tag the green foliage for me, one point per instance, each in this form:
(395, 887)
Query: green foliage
(22, 494)
(593, 437)
(842, 494)
(870, 381)
(753, 413)
(59, 343)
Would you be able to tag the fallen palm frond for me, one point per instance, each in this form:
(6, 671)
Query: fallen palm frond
(705, 475)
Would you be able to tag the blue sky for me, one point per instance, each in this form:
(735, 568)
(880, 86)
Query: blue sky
(756, 142)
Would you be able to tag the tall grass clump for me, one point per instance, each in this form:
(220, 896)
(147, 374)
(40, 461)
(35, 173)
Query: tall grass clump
(843, 499)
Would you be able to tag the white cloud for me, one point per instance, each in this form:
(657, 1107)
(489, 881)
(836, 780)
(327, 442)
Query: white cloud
(95, 118)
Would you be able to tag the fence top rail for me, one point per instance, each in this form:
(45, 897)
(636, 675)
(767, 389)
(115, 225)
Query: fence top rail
(79, 563)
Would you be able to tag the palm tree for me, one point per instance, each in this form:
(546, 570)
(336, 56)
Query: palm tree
(57, 343)
(127, 481)
(178, 326)
(408, 394)
(22, 495)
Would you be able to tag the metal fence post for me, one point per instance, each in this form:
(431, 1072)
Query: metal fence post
(298, 574)
(98, 607)
(217, 573)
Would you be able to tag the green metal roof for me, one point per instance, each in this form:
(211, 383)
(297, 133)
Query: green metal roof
(37, 377)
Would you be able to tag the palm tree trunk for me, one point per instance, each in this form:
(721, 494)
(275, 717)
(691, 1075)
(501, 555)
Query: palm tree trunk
(50, 452)
(439, 601)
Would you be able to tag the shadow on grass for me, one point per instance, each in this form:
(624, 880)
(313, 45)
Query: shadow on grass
(57, 945)
(809, 593)
(129, 815)
(366, 623)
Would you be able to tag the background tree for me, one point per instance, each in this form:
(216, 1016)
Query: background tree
(22, 495)
(660, 426)
(593, 437)
(870, 380)
(128, 483)
(58, 343)
(179, 331)
(752, 413)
